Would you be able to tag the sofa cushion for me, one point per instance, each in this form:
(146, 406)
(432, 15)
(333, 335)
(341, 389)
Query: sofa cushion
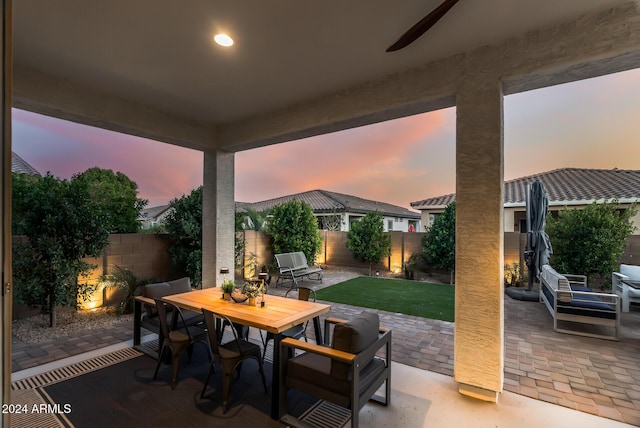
(313, 370)
(353, 337)
(585, 304)
(181, 285)
(633, 272)
(155, 291)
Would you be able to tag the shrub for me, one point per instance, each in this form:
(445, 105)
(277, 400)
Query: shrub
(590, 241)
(125, 279)
(293, 227)
(367, 240)
(184, 226)
(440, 241)
(64, 225)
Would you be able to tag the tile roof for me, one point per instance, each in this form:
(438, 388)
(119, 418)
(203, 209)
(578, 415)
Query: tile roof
(563, 186)
(324, 201)
(152, 213)
(21, 166)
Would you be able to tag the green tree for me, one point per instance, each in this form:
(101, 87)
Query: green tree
(184, 226)
(367, 240)
(63, 225)
(252, 220)
(118, 196)
(440, 241)
(21, 188)
(293, 227)
(590, 241)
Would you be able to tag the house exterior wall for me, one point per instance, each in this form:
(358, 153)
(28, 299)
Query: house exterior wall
(400, 224)
(515, 216)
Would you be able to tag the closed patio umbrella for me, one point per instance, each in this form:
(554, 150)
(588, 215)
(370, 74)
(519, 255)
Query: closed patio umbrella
(538, 245)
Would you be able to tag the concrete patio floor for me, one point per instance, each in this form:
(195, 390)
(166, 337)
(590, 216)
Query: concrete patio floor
(548, 376)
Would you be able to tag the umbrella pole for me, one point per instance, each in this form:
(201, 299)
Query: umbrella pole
(528, 256)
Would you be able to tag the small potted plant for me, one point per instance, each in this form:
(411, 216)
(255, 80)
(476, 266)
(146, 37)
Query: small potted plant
(252, 290)
(227, 289)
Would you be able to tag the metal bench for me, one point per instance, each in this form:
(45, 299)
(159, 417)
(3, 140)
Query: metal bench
(294, 266)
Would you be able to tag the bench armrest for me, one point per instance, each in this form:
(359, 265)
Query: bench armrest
(576, 279)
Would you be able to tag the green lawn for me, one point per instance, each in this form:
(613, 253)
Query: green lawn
(435, 301)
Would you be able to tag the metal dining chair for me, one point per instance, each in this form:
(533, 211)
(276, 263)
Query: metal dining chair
(228, 355)
(176, 339)
(297, 331)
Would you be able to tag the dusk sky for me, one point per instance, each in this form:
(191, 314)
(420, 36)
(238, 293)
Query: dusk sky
(588, 124)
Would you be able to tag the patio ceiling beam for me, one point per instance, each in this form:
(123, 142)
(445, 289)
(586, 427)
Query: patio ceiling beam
(418, 90)
(49, 95)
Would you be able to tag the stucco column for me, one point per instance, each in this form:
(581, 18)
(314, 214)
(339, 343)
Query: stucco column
(218, 216)
(479, 320)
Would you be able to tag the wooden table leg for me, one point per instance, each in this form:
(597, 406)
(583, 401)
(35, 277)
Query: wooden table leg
(278, 399)
(137, 316)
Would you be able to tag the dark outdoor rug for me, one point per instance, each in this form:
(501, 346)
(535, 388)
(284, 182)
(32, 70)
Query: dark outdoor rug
(125, 394)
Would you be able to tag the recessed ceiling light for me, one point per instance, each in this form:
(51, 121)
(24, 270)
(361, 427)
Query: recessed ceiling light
(223, 40)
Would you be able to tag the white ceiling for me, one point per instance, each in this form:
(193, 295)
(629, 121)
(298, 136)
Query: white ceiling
(160, 52)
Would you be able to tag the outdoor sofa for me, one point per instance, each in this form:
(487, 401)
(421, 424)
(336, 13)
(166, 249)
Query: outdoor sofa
(579, 308)
(626, 292)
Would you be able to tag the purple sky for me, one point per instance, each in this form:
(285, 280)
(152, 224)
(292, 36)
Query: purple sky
(588, 124)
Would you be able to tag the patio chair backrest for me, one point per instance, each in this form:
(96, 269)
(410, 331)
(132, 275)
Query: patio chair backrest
(633, 272)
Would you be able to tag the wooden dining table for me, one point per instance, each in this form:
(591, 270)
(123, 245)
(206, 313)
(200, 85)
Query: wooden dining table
(276, 316)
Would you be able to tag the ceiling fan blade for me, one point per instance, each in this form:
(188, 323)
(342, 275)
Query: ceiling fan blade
(422, 26)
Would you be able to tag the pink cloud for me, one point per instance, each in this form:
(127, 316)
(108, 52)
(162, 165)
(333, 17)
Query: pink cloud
(368, 162)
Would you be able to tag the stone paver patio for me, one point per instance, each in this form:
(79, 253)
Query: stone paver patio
(590, 375)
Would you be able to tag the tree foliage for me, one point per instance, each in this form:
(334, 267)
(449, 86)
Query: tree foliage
(63, 225)
(590, 241)
(184, 226)
(367, 240)
(440, 241)
(118, 196)
(293, 227)
(251, 220)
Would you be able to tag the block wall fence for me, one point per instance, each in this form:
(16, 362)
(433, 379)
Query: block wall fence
(146, 255)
